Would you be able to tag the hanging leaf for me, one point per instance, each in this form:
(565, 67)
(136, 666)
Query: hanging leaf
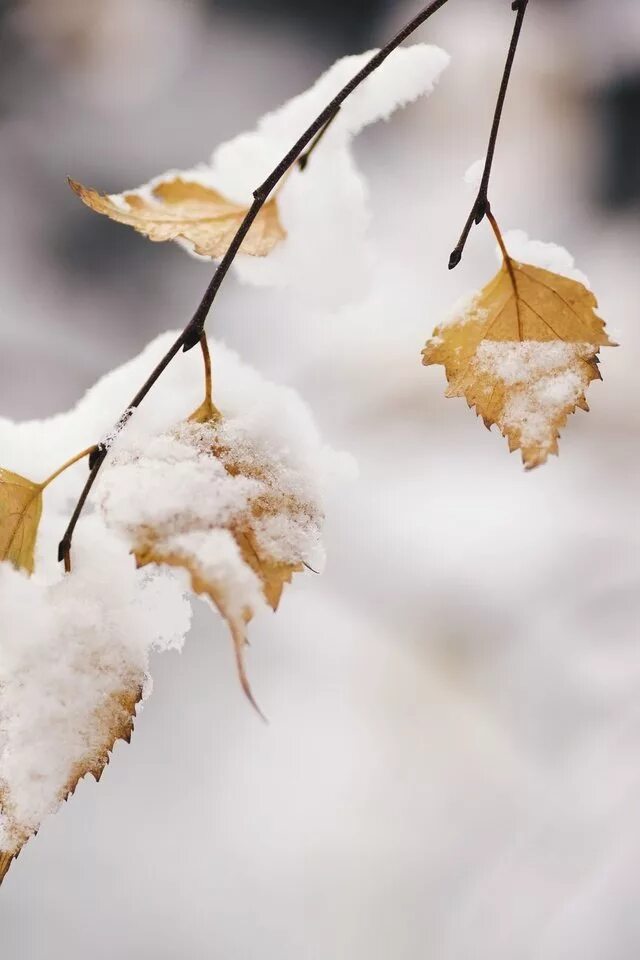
(523, 353)
(189, 541)
(20, 512)
(180, 209)
(236, 518)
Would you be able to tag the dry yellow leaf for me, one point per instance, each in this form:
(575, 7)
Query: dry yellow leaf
(20, 512)
(177, 208)
(113, 720)
(523, 353)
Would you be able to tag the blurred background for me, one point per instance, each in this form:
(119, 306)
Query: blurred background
(452, 768)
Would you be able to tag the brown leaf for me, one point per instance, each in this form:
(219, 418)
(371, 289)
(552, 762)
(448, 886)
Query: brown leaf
(177, 208)
(523, 354)
(112, 720)
(20, 512)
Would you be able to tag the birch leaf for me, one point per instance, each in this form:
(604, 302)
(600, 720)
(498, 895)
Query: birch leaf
(179, 209)
(20, 512)
(523, 353)
(111, 720)
(234, 519)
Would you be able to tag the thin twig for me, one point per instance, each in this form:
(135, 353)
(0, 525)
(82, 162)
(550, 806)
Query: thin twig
(64, 550)
(481, 204)
(192, 333)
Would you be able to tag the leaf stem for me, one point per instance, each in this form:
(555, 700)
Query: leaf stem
(192, 333)
(481, 204)
(498, 235)
(208, 381)
(65, 466)
(508, 264)
(207, 412)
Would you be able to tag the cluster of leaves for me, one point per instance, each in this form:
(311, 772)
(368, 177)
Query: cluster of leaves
(529, 399)
(209, 222)
(522, 352)
(237, 561)
(249, 568)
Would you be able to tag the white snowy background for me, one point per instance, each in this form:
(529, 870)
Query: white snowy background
(452, 764)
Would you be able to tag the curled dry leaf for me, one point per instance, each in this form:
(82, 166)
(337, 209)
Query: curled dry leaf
(179, 209)
(20, 512)
(523, 353)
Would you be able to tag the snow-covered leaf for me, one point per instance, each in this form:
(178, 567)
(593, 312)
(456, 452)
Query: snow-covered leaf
(112, 720)
(523, 352)
(178, 208)
(238, 520)
(74, 659)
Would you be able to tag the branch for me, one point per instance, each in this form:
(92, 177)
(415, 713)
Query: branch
(481, 205)
(192, 333)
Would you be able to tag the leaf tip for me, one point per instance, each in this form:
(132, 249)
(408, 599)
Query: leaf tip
(6, 859)
(77, 188)
(239, 643)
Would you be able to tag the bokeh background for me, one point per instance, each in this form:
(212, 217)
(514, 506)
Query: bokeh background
(452, 768)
